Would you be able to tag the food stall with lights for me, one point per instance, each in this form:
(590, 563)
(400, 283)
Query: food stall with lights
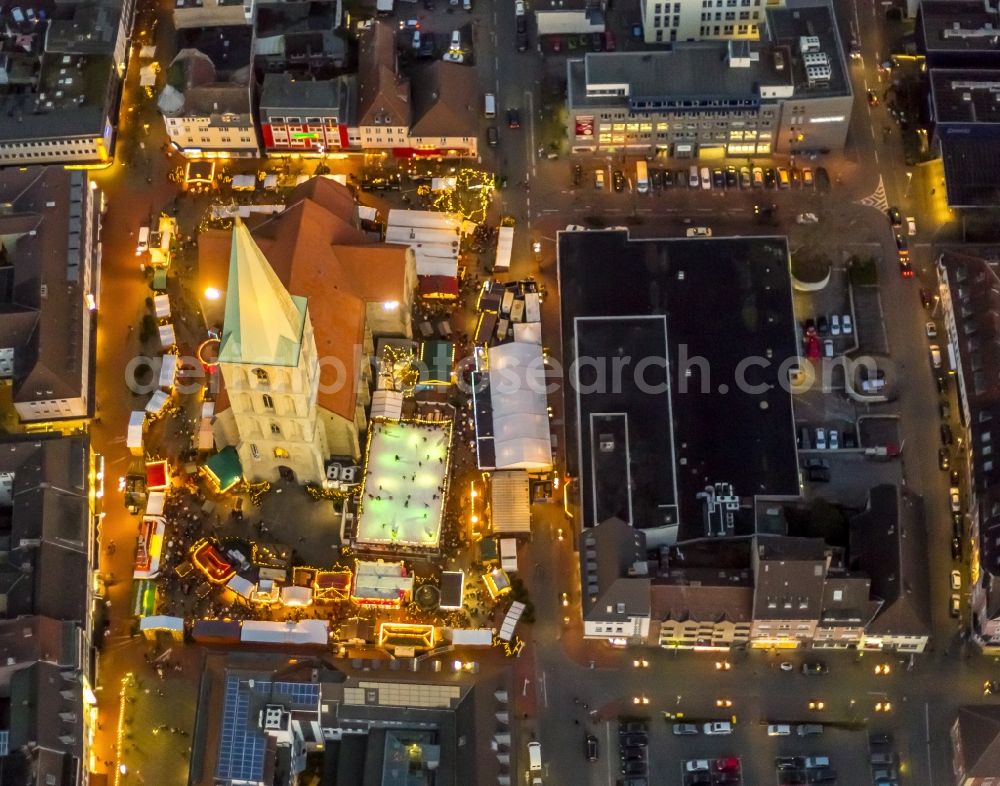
(382, 583)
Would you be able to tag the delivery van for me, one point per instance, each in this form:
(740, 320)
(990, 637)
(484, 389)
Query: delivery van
(535, 756)
(490, 102)
(641, 177)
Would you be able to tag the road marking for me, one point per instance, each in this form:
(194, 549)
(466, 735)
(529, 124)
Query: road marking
(531, 129)
(927, 728)
(877, 199)
(545, 691)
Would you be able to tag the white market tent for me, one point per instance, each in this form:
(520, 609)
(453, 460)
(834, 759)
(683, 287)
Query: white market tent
(167, 336)
(168, 371)
(434, 238)
(241, 586)
(296, 596)
(528, 332)
(431, 219)
(157, 402)
(301, 632)
(532, 307)
(508, 555)
(244, 182)
(510, 502)
(510, 621)
(147, 76)
(520, 418)
(387, 404)
(155, 502)
(161, 304)
(136, 426)
(505, 243)
(472, 637)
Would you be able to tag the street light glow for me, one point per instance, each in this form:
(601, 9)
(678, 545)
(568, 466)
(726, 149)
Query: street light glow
(211, 293)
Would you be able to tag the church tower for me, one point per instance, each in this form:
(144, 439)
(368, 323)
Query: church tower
(269, 364)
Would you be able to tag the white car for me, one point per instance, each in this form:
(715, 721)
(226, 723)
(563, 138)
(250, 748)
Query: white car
(846, 325)
(911, 226)
(575, 228)
(453, 57)
(821, 439)
(956, 500)
(835, 324)
(779, 730)
(456, 40)
(935, 356)
(956, 580)
(696, 765)
(931, 330)
(807, 218)
(416, 39)
(718, 727)
(518, 7)
(834, 439)
(828, 348)
(699, 232)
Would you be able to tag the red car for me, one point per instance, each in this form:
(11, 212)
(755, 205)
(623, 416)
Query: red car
(905, 268)
(729, 764)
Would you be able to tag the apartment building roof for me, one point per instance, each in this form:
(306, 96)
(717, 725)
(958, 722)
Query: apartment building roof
(384, 95)
(976, 738)
(44, 221)
(888, 543)
(445, 101)
(958, 27)
(281, 92)
(789, 578)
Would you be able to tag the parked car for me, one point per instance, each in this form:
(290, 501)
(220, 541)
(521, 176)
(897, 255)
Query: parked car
(956, 549)
(590, 748)
(682, 729)
(895, 217)
(492, 136)
(726, 764)
(944, 459)
(758, 177)
(935, 352)
(779, 730)
(834, 439)
(820, 439)
(822, 324)
(732, 177)
(880, 739)
(618, 181)
(718, 728)
(835, 324)
(931, 329)
(809, 729)
(807, 218)
(955, 498)
(911, 226)
(696, 765)
(599, 179)
(807, 177)
(905, 268)
(815, 667)
(745, 179)
(946, 435)
(955, 605)
(956, 584)
(847, 324)
(513, 117)
(770, 177)
(926, 298)
(828, 348)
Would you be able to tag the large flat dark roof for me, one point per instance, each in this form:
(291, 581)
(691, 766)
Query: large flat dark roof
(723, 300)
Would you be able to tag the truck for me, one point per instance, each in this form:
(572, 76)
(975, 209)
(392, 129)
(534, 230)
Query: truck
(505, 243)
(641, 177)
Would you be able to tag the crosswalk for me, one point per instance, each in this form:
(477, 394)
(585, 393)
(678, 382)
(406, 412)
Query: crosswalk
(877, 198)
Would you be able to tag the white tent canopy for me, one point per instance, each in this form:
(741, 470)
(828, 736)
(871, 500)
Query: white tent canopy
(520, 418)
(528, 332)
(510, 502)
(472, 637)
(136, 425)
(168, 371)
(425, 218)
(296, 596)
(505, 243)
(532, 307)
(167, 336)
(387, 404)
(302, 632)
(157, 402)
(155, 503)
(161, 304)
(241, 586)
(244, 182)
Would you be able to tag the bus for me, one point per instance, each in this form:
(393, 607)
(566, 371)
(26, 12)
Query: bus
(641, 177)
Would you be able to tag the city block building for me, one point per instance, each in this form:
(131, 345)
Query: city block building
(714, 99)
(305, 116)
(60, 81)
(50, 265)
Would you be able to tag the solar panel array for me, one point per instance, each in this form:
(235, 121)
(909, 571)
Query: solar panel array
(305, 694)
(241, 752)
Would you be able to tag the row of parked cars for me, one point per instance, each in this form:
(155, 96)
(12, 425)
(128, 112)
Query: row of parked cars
(726, 771)
(802, 770)
(732, 177)
(633, 747)
(884, 761)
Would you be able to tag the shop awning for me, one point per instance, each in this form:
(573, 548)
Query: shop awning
(162, 622)
(161, 305)
(510, 502)
(167, 336)
(435, 362)
(438, 286)
(168, 370)
(157, 402)
(157, 475)
(224, 468)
